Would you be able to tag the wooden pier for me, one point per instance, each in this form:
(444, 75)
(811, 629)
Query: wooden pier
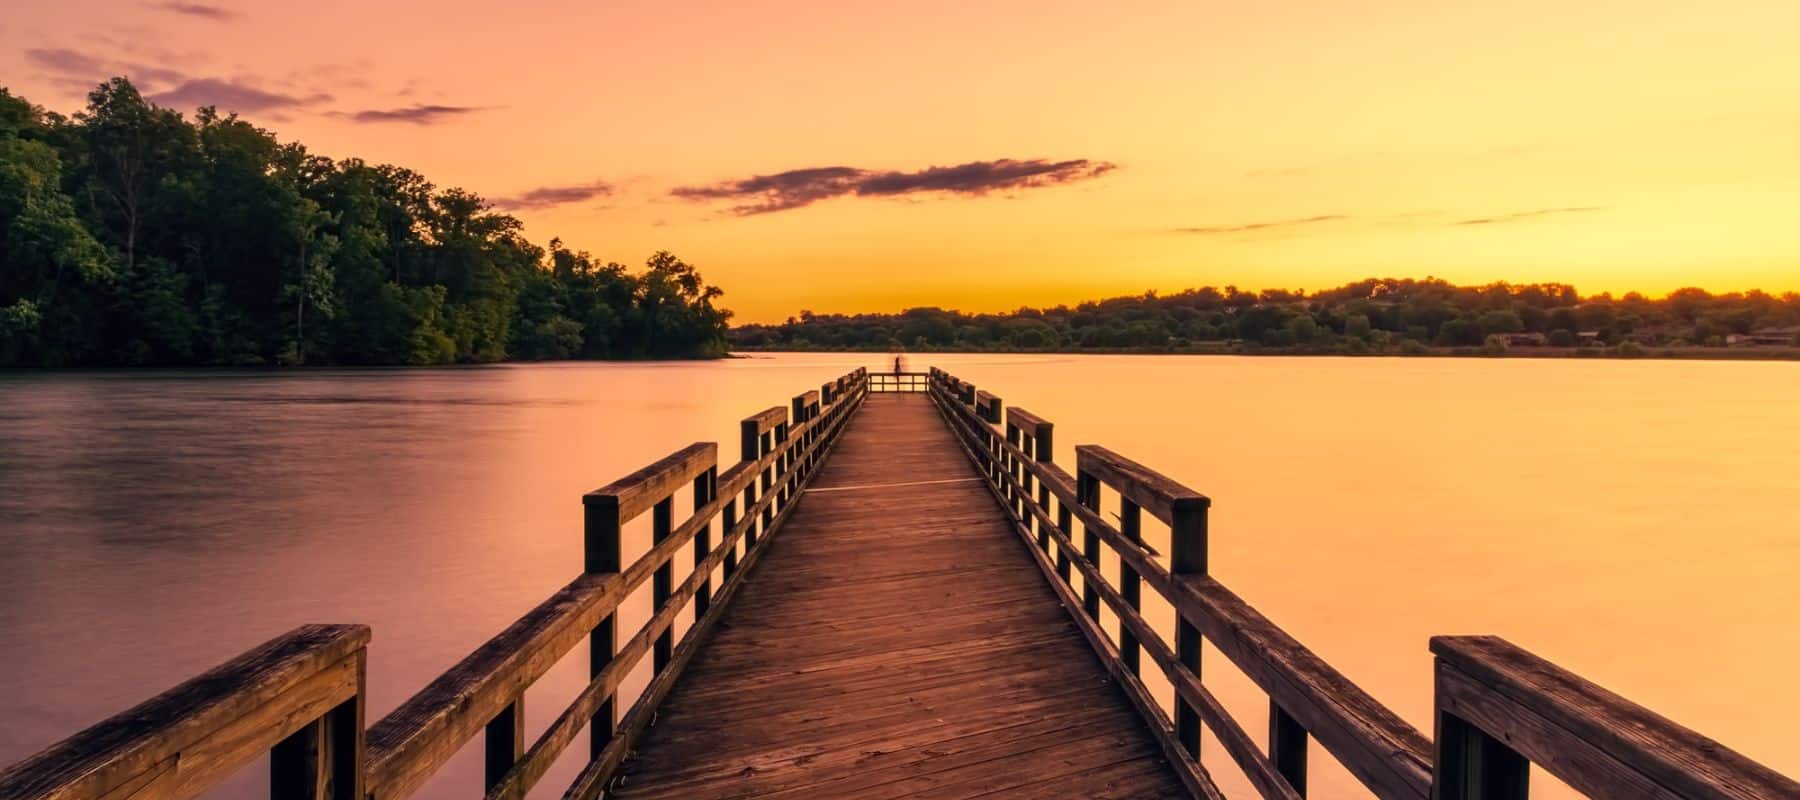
(896, 592)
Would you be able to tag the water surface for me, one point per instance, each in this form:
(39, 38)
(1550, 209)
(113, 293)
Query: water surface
(1633, 521)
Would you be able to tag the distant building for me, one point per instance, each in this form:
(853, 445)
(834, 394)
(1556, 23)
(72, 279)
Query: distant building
(1764, 337)
(1589, 339)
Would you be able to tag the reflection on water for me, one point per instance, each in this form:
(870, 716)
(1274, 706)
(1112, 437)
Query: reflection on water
(1632, 521)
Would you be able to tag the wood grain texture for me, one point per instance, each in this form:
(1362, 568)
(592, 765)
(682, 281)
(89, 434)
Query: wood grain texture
(636, 493)
(896, 642)
(189, 738)
(1593, 739)
(1157, 493)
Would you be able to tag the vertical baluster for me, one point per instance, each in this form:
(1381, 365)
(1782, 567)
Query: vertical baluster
(1472, 765)
(767, 479)
(1187, 556)
(601, 544)
(729, 520)
(1287, 747)
(1087, 490)
(1065, 521)
(706, 487)
(662, 518)
(1131, 524)
(505, 745)
(1016, 438)
(1043, 449)
(324, 759)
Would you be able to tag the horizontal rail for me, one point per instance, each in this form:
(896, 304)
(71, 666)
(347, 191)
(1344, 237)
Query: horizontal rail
(415, 740)
(1388, 756)
(1501, 708)
(298, 697)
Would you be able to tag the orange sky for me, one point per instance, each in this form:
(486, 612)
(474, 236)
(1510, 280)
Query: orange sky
(1614, 145)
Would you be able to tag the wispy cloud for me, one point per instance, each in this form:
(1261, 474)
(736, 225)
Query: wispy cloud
(233, 96)
(549, 196)
(1520, 216)
(762, 194)
(65, 61)
(1247, 227)
(411, 115)
(201, 10)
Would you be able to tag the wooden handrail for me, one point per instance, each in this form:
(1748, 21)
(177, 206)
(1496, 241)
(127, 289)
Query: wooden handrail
(1388, 756)
(301, 696)
(415, 740)
(298, 697)
(1501, 708)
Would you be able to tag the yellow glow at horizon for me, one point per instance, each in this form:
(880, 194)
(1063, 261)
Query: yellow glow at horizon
(1675, 125)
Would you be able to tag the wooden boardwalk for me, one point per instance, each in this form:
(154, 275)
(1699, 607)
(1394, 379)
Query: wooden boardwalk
(897, 642)
(896, 593)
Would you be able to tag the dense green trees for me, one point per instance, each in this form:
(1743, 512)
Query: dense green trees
(132, 235)
(1369, 316)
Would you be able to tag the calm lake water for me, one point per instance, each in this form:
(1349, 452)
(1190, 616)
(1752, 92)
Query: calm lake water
(1634, 521)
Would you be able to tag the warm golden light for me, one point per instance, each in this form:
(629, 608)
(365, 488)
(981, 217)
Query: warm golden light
(1617, 147)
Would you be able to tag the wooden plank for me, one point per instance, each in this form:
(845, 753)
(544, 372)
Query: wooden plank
(849, 666)
(1041, 431)
(636, 493)
(1595, 740)
(186, 740)
(1387, 755)
(1159, 494)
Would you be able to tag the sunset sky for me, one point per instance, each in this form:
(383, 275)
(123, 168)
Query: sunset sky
(863, 156)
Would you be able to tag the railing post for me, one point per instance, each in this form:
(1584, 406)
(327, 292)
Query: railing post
(1087, 490)
(729, 520)
(601, 549)
(662, 522)
(706, 488)
(1131, 525)
(324, 759)
(1187, 556)
(1287, 747)
(505, 742)
(1472, 765)
(1044, 452)
(767, 480)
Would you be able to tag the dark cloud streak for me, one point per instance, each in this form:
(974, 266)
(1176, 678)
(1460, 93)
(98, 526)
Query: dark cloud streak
(762, 194)
(199, 10)
(549, 196)
(410, 115)
(232, 96)
(1215, 230)
(1519, 216)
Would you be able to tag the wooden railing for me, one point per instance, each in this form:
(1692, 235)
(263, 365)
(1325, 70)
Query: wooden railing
(1308, 699)
(915, 382)
(301, 696)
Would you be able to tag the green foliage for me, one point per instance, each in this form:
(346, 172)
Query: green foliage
(1383, 315)
(132, 235)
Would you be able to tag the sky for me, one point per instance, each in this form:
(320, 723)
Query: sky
(857, 156)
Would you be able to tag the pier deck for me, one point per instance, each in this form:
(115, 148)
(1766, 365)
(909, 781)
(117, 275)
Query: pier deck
(896, 591)
(896, 642)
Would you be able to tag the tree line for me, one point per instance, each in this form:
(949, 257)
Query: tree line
(130, 234)
(1368, 316)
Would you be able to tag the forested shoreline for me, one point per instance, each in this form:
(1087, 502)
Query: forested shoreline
(132, 235)
(1368, 317)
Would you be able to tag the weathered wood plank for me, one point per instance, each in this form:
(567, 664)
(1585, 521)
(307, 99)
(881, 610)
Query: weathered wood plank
(636, 493)
(189, 738)
(1159, 494)
(874, 627)
(1595, 740)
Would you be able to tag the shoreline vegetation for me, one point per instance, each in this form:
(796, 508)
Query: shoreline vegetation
(1372, 317)
(131, 235)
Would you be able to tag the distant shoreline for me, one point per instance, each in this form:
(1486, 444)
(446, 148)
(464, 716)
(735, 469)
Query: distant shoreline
(1763, 353)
